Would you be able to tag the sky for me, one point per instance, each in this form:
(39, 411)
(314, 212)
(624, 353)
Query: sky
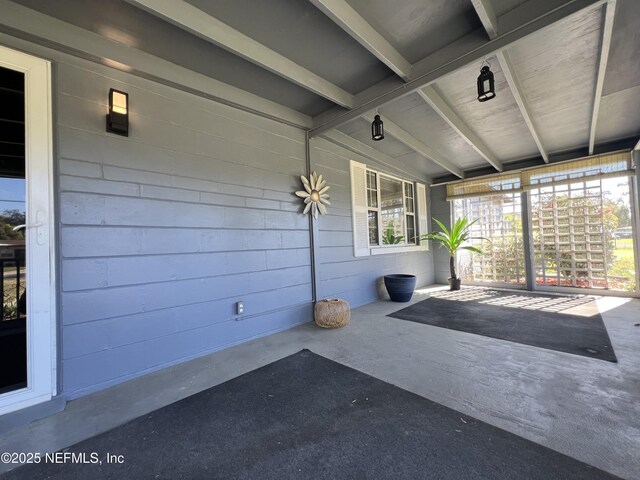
(12, 194)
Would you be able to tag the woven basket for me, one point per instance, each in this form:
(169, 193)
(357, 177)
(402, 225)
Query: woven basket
(331, 313)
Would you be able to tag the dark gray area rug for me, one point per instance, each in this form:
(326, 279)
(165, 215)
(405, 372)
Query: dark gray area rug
(538, 320)
(307, 417)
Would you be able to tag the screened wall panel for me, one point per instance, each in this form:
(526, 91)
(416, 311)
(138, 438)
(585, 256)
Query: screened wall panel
(581, 228)
(498, 219)
(579, 235)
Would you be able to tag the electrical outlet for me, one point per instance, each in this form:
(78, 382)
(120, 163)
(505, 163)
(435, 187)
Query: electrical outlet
(239, 308)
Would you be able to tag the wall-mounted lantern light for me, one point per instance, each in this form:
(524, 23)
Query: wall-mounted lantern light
(486, 84)
(377, 128)
(118, 116)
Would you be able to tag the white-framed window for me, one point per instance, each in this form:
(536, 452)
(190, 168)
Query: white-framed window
(389, 212)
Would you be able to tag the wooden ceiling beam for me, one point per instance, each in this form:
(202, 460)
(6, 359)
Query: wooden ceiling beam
(351, 22)
(605, 44)
(417, 145)
(516, 24)
(518, 94)
(203, 25)
(442, 108)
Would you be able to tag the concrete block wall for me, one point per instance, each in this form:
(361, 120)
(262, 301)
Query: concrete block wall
(161, 233)
(340, 274)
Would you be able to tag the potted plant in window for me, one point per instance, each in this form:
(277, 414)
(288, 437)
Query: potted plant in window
(390, 237)
(454, 240)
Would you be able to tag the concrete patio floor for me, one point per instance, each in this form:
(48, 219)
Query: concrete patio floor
(588, 409)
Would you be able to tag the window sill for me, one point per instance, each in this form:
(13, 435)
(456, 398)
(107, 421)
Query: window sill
(403, 249)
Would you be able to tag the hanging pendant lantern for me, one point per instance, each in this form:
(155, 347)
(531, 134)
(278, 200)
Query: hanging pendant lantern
(377, 128)
(486, 85)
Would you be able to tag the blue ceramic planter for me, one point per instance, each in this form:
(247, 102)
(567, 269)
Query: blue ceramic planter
(400, 286)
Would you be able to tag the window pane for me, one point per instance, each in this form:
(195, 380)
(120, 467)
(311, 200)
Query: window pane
(373, 228)
(408, 194)
(411, 229)
(392, 211)
(372, 190)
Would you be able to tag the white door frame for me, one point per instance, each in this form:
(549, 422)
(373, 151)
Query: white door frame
(41, 287)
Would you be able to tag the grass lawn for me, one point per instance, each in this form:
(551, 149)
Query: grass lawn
(623, 265)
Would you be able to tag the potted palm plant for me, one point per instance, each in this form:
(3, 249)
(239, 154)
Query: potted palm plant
(454, 240)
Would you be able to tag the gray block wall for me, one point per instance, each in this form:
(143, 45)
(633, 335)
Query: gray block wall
(440, 209)
(161, 233)
(355, 279)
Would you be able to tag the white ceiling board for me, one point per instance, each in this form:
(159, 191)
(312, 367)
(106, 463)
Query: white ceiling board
(518, 93)
(433, 98)
(353, 126)
(305, 35)
(352, 22)
(187, 17)
(619, 116)
(519, 23)
(413, 114)
(557, 70)
(417, 162)
(417, 28)
(408, 168)
(418, 146)
(138, 29)
(500, 7)
(497, 122)
(361, 130)
(623, 68)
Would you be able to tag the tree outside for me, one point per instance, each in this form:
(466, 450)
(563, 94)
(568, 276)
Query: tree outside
(13, 287)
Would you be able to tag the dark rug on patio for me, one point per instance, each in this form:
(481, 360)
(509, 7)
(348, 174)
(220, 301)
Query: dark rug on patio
(530, 319)
(307, 417)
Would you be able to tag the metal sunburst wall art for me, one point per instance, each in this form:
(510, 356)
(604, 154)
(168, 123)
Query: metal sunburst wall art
(314, 194)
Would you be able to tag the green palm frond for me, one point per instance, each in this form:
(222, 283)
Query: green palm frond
(454, 239)
(473, 249)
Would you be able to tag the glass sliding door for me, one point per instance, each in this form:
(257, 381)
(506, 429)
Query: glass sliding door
(13, 314)
(27, 313)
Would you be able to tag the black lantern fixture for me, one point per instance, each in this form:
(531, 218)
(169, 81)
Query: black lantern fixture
(118, 116)
(486, 84)
(377, 129)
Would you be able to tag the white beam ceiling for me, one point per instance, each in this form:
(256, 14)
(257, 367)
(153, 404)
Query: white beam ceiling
(48, 31)
(518, 94)
(519, 22)
(190, 18)
(350, 143)
(417, 145)
(607, 31)
(487, 15)
(356, 146)
(351, 22)
(442, 108)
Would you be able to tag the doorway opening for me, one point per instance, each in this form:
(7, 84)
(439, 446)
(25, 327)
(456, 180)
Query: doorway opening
(13, 311)
(28, 286)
